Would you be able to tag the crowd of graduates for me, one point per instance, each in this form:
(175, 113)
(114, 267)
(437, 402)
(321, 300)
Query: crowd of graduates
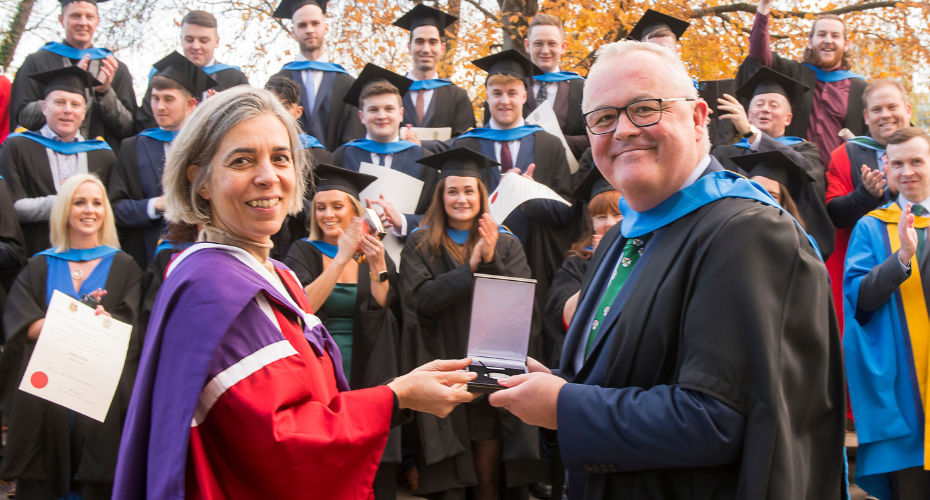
(82, 211)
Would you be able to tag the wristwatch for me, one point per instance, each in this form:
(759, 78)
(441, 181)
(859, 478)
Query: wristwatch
(753, 130)
(379, 277)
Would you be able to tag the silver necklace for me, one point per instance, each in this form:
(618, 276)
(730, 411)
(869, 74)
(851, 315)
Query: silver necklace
(77, 274)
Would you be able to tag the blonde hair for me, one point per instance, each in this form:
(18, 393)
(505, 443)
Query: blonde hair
(198, 140)
(61, 212)
(316, 233)
(502, 79)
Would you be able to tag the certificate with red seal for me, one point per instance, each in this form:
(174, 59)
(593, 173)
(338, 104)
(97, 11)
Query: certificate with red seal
(78, 358)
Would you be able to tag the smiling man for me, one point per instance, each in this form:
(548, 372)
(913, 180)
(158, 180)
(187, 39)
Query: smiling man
(432, 102)
(199, 40)
(703, 360)
(833, 100)
(545, 43)
(326, 115)
(135, 185)
(886, 327)
(856, 183)
(111, 105)
(35, 164)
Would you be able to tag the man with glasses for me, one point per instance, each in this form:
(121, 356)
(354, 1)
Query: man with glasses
(704, 359)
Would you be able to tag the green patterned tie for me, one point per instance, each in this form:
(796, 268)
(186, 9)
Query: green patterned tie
(920, 211)
(631, 252)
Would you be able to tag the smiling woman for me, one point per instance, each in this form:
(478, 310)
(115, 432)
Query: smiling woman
(85, 262)
(241, 391)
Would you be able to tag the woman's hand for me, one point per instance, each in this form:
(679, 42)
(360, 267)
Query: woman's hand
(374, 250)
(35, 329)
(390, 217)
(99, 294)
(476, 254)
(489, 233)
(348, 242)
(436, 387)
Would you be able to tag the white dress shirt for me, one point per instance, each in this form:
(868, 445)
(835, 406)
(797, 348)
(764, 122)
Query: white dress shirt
(514, 145)
(552, 88)
(388, 159)
(314, 77)
(427, 96)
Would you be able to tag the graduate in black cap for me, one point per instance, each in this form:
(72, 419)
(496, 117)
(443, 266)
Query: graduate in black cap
(432, 102)
(35, 164)
(111, 103)
(762, 125)
(324, 84)
(357, 302)
(528, 149)
(377, 93)
(660, 29)
(562, 90)
(199, 40)
(135, 185)
(457, 239)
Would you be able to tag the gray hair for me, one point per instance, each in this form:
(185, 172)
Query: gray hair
(678, 74)
(197, 142)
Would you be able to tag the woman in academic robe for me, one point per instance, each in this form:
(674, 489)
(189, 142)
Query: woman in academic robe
(240, 392)
(356, 301)
(477, 445)
(52, 451)
(601, 212)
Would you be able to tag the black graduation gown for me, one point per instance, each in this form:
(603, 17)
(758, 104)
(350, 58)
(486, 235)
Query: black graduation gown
(151, 282)
(449, 107)
(334, 122)
(375, 331)
(735, 304)
(567, 282)
(351, 158)
(547, 237)
(11, 246)
(109, 118)
(567, 109)
(226, 79)
(39, 442)
(136, 178)
(25, 168)
(810, 198)
(436, 302)
(802, 110)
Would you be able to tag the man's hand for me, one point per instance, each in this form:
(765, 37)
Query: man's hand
(764, 7)
(436, 387)
(908, 236)
(532, 397)
(390, 217)
(734, 112)
(873, 180)
(160, 203)
(410, 135)
(108, 69)
(529, 171)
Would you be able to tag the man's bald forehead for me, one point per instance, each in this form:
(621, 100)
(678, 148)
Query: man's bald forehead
(307, 12)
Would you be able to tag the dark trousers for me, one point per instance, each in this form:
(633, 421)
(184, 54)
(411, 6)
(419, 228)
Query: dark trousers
(910, 484)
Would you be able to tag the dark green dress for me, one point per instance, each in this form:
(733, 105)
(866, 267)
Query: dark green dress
(339, 309)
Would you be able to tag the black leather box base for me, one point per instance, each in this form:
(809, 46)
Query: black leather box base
(486, 382)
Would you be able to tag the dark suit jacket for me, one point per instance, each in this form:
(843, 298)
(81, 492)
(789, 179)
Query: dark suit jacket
(449, 107)
(568, 110)
(331, 121)
(135, 179)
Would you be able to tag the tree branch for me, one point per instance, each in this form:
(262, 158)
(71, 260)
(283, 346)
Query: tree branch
(751, 9)
(492, 17)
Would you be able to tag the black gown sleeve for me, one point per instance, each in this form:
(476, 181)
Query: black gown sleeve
(12, 248)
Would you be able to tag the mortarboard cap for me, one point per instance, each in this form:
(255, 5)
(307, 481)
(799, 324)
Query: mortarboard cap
(509, 62)
(70, 79)
(653, 20)
(769, 81)
(333, 178)
(460, 162)
(421, 15)
(775, 165)
(287, 8)
(66, 2)
(180, 69)
(593, 184)
(373, 73)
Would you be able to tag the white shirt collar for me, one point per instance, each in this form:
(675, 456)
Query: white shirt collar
(410, 76)
(902, 202)
(211, 63)
(495, 126)
(48, 133)
(323, 58)
(698, 170)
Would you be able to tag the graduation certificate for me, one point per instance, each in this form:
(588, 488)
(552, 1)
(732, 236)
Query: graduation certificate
(78, 358)
(544, 116)
(513, 191)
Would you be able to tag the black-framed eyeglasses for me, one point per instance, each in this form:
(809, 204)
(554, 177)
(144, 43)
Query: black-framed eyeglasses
(641, 113)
